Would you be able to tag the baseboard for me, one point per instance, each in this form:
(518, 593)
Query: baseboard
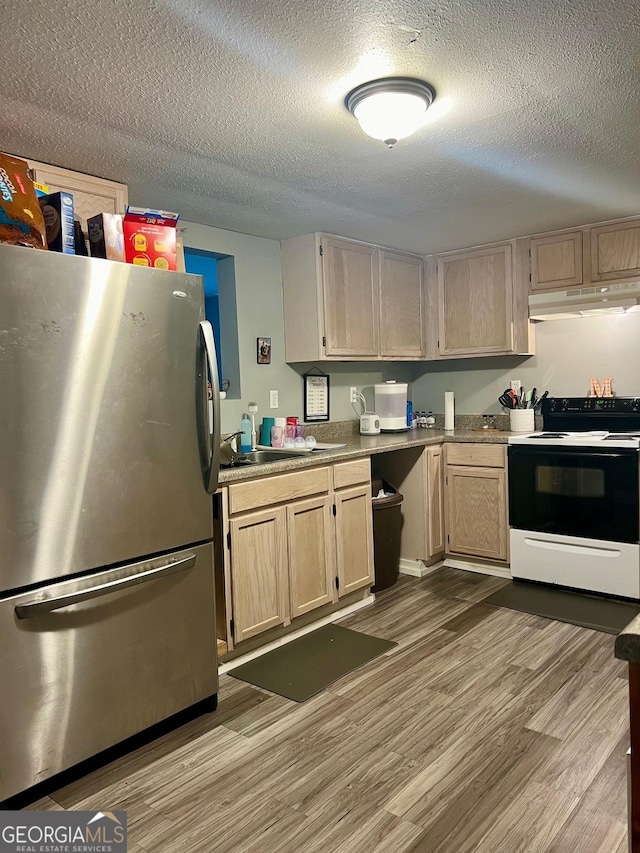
(479, 568)
(274, 644)
(417, 569)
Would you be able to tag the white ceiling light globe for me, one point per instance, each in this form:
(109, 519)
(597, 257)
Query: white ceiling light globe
(391, 115)
(391, 108)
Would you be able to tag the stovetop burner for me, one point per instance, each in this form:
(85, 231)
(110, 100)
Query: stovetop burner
(587, 422)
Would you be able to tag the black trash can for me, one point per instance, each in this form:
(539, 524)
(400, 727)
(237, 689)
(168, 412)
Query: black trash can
(387, 525)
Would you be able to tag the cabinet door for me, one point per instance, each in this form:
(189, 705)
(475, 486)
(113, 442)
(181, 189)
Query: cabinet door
(435, 501)
(350, 283)
(311, 572)
(556, 261)
(402, 326)
(475, 302)
(615, 251)
(476, 512)
(259, 572)
(354, 539)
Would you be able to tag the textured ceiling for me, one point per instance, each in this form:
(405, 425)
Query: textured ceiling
(232, 112)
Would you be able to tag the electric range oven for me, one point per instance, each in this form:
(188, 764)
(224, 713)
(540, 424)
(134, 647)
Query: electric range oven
(574, 497)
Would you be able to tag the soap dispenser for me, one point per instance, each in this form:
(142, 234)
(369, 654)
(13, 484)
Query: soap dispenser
(245, 438)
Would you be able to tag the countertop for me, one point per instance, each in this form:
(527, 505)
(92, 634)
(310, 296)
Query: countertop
(627, 645)
(364, 445)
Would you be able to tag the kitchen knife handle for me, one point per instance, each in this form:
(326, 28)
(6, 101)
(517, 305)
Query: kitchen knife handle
(46, 605)
(212, 463)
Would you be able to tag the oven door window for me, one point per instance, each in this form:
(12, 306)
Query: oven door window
(583, 492)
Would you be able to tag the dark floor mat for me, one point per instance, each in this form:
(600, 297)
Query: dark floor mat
(305, 666)
(588, 611)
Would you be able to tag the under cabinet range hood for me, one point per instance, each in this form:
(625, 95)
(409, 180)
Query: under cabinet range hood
(601, 299)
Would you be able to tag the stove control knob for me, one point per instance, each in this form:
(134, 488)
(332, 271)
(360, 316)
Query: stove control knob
(635, 404)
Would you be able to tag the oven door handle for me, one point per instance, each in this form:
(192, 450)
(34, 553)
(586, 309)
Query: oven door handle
(561, 453)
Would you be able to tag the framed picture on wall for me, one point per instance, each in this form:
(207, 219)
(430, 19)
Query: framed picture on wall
(264, 350)
(316, 397)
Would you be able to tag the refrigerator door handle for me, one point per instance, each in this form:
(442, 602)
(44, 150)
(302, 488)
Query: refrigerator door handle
(46, 605)
(211, 464)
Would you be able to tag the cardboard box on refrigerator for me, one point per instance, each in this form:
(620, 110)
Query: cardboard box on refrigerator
(150, 238)
(21, 221)
(57, 210)
(106, 236)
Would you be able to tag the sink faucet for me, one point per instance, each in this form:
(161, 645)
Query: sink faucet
(227, 453)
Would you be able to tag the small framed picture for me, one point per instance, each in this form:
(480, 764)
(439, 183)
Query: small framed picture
(264, 350)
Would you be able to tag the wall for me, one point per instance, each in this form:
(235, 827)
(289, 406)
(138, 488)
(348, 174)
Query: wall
(258, 280)
(568, 353)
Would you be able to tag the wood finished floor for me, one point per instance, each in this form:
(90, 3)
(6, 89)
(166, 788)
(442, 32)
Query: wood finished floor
(484, 730)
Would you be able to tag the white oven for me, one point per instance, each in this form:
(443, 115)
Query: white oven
(574, 498)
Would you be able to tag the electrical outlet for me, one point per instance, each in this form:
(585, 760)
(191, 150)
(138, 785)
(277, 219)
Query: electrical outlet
(273, 399)
(353, 391)
(515, 384)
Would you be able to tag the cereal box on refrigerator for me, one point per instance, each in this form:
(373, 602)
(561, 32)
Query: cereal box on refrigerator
(21, 222)
(57, 210)
(150, 238)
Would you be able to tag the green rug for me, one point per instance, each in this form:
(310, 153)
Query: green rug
(587, 611)
(305, 666)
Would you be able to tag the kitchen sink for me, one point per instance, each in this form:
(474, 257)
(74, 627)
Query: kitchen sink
(263, 457)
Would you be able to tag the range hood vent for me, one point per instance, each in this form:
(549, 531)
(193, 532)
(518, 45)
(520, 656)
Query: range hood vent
(601, 299)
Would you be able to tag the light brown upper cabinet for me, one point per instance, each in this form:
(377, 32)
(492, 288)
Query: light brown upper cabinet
(615, 251)
(350, 289)
(556, 261)
(91, 195)
(479, 311)
(402, 318)
(346, 300)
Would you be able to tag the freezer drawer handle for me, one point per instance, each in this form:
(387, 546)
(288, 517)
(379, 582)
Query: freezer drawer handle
(34, 608)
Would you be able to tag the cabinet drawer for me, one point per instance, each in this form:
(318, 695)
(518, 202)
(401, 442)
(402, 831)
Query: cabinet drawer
(273, 490)
(487, 455)
(351, 473)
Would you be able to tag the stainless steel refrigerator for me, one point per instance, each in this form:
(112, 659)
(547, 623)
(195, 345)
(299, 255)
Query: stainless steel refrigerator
(107, 463)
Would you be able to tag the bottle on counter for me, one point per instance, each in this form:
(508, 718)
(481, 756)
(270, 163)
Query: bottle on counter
(430, 421)
(277, 432)
(245, 438)
(290, 428)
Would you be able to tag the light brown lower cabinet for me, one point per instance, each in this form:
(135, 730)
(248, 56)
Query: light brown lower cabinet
(289, 559)
(354, 539)
(435, 501)
(311, 564)
(476, 501)
(260, 587)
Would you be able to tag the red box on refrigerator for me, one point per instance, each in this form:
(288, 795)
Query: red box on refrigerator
(150, 238)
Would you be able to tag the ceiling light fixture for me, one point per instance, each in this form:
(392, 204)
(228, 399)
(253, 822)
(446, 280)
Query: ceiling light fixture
(390, 108)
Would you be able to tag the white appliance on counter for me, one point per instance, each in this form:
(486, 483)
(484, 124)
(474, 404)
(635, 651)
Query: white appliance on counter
(574, 507)
(107, 462)
(391, 405)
